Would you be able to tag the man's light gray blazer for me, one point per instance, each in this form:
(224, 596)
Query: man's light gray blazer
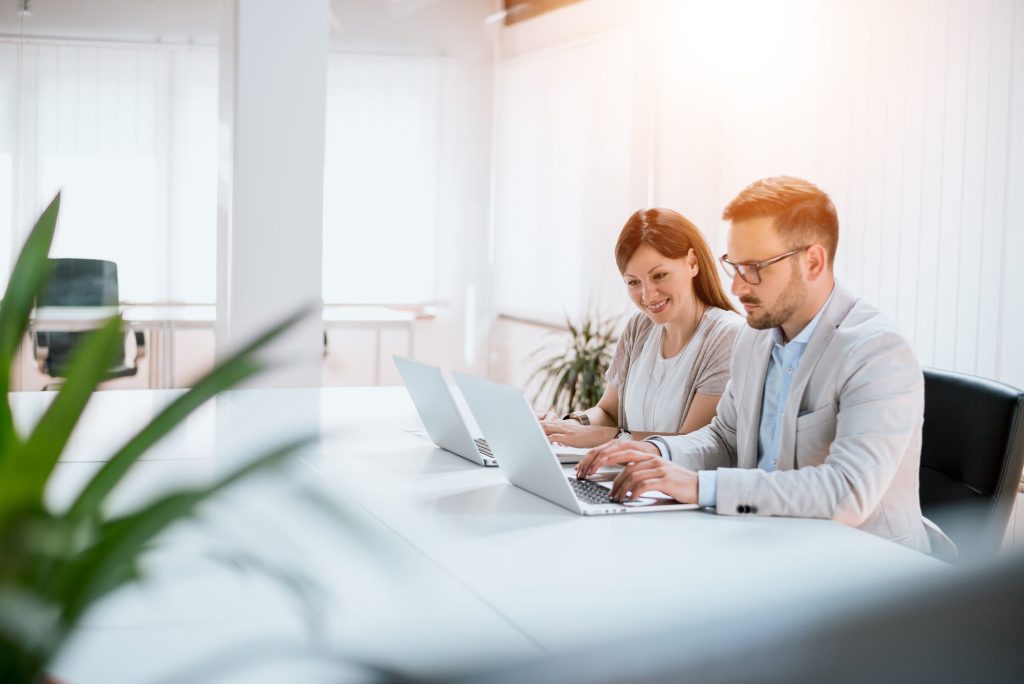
(850, 444)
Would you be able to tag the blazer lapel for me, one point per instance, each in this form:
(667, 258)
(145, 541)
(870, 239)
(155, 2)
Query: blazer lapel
(833, 316)
(750, 420)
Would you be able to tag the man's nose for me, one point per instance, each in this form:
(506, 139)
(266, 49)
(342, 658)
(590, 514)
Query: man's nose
(740, 287)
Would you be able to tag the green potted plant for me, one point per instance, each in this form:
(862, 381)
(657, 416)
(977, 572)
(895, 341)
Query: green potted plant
(56, 564)
(573, 379)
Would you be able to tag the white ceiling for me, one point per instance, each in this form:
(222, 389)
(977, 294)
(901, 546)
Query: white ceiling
(195, 21)
(147, 20)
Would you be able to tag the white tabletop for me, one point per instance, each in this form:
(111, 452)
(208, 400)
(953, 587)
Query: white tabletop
(464, 568)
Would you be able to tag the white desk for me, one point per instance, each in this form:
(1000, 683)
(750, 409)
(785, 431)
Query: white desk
(470, 570)
(376, 318)
(160, 321)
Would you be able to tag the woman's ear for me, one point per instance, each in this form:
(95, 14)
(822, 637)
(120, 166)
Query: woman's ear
(691, 261)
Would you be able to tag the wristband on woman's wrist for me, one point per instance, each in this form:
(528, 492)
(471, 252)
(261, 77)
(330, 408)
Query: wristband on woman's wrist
(579, 416)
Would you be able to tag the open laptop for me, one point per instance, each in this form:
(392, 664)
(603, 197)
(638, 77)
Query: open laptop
(440, 415)
(444, 422)
(528, 460)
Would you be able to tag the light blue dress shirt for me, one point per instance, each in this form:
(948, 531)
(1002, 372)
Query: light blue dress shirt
(782, 368)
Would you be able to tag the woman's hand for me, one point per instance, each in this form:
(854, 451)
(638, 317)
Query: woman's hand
(571, 433)
(544, 416)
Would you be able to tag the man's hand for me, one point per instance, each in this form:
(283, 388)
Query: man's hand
(655, 475)
(615, 452)
(571, 433)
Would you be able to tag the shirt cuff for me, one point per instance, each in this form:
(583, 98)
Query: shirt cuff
(707, 488)
(662, 447)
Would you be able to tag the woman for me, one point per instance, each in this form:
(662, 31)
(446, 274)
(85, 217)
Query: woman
(671, 363)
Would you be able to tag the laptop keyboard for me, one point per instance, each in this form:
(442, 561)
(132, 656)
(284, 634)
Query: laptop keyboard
(483, 446)
(591, 492)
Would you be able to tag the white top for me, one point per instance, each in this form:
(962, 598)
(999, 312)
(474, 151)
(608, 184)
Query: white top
(658, 389)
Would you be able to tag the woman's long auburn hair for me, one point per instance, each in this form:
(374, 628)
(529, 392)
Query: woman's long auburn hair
(673, 236)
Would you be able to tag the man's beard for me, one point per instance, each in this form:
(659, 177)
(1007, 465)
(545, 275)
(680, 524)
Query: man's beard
(791, 299)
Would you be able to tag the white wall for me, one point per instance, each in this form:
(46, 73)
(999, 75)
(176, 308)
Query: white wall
(910, 113)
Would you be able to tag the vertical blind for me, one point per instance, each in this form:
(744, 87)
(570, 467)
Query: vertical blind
(129, 134)
(910, 113)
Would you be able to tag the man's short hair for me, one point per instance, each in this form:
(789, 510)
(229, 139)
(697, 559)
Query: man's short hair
(803, 214)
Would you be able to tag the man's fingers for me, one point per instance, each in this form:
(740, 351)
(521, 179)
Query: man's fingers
(637, 485)
(649, 484)
(620, 457)
(585, 466)
(609, 448)
(630, 478)
(611, 452)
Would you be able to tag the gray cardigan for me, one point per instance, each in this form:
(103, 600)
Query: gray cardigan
(709, 373)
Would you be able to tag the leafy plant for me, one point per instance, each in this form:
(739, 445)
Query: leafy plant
(574, 379)
(56, 564)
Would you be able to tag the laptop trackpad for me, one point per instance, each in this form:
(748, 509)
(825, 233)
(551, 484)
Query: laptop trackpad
(570, 455)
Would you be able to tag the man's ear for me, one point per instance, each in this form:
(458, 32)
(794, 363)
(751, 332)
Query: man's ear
(817, 261)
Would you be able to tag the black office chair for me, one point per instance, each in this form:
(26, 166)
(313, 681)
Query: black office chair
(80, 282)
(971, 458)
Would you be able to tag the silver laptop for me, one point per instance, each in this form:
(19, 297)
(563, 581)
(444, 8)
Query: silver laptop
(440, 415)
(528, 460)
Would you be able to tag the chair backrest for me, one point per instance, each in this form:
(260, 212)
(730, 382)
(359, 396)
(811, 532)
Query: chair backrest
(76, 282)
(972, 453)
(81, 282)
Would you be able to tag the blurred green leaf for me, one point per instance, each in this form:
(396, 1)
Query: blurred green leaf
(122, 539)
(54, 567)
(239, 367)
(29, 275)
(30, 465)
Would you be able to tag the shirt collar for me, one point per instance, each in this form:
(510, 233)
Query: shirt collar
(805, 334)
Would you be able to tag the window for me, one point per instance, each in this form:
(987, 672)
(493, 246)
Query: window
(381, 175)
(128, 134)
(563, 153)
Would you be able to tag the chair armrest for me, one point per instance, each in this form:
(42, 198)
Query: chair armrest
(140, 346)
(41, 349)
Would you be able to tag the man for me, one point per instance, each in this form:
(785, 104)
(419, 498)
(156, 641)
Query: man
(822, 416)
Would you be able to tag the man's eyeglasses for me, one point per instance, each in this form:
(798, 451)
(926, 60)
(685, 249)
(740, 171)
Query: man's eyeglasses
(751, 273)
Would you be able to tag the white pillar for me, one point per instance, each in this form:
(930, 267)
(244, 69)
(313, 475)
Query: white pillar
(273, 78)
